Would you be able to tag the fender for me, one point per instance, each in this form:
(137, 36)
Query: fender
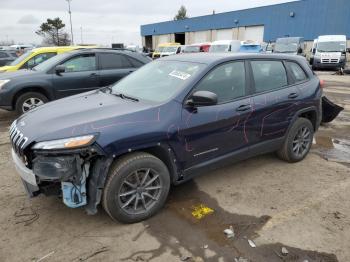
(302, 111)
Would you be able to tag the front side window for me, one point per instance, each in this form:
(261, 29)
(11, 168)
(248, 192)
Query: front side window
(297, 72)
(268, 75)
(38, 59)
(81, 63)
(158, 81)
(227, 81)
(114, 61)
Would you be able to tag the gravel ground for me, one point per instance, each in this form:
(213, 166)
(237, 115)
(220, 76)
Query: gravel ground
(302, 207)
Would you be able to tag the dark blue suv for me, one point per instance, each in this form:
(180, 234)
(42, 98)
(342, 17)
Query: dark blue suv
(124, 145)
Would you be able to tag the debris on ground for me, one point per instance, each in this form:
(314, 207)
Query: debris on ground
(241, 259)
(205, 246)
(251, 243)
(201, 211)
(229, 232)
(284, 251)
(185, 258)
(46, 256)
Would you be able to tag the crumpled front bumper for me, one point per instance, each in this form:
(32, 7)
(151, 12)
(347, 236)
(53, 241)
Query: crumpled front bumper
(27, 176)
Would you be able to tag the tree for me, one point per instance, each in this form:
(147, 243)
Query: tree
(53, 32)
(181, 14)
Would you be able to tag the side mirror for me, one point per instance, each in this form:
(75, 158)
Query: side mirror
(203, 98)
(60, 69)
(300, 50)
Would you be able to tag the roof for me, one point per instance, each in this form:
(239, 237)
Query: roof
(209, 58)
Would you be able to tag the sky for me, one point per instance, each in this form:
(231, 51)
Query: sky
(105, 21)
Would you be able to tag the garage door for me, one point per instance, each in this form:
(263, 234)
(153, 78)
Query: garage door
(224, 34)
(255, 33)
(200, 37)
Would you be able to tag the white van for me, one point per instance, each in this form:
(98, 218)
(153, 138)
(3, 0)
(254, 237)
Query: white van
(329, 51)
(225, 46)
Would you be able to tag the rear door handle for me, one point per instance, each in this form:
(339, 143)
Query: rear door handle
(244, 108)
(293, 95)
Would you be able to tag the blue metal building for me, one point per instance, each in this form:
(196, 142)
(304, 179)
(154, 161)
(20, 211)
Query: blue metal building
(306, 18)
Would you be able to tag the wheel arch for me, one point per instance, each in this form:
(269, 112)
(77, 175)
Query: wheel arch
(35, 88)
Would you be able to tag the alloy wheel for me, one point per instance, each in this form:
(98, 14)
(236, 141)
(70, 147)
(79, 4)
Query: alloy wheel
(140, 191)
(31, 103)
(302, 141)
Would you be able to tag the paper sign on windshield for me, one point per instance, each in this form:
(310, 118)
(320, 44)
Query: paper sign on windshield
(180, 75)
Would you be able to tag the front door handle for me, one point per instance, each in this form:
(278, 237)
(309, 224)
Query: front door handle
(293, 95)
(244, 108)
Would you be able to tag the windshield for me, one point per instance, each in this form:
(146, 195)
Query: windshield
(250, 48)
(21, 58)
(219, 48)
(331, 46)
(159, 49)
(170, 49)
(157, 81)
(50, 63)
(191, 49)
(286, 47)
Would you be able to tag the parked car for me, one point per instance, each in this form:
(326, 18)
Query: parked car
(250, 47)
(329, 51)
(36, 56)
(65, 75)
(290, 45)
(7, 57)
(197, 48)
(162, 49)
(225, 46)
(172, 119)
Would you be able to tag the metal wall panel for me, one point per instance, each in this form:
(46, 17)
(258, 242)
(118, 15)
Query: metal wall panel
(306, 18)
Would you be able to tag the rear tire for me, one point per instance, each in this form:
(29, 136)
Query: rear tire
(29, 101)
(137, 187)
(298, 141)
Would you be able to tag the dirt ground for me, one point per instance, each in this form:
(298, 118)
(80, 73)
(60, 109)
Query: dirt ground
(302, 207)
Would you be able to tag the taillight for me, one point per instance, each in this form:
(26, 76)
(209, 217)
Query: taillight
(322, 83)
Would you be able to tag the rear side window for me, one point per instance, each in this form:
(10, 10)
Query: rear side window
(3, 55)
(114, 61)
(227, 81)
(269, 75)
(297, 72)
(135, 63)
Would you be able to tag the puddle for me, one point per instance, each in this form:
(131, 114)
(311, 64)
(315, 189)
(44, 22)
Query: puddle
(331, 149)
(177, 229)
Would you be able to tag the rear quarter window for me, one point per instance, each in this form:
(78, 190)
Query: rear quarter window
(297, 72)
(268, 75)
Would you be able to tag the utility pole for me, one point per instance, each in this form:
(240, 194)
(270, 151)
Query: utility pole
(70, 18)
(81, 35)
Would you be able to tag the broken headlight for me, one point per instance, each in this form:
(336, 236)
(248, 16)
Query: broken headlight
(66, 143)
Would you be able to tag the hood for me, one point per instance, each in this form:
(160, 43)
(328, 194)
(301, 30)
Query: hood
(6, 68)
(20, 73)
(86, 113)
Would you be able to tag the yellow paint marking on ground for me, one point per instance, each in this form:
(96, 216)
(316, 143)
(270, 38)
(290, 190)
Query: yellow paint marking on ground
(201, 211)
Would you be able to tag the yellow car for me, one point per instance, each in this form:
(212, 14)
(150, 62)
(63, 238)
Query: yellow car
(162, 48)
(36, 56)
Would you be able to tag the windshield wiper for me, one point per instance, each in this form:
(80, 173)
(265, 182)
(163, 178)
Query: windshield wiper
(122, 96)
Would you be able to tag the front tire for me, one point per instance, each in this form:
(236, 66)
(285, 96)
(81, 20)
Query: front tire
(29, 101)
(137, 187)
(298, 142)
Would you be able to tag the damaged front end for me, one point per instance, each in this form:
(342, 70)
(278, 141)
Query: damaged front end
(65, 168)
(330, 111)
